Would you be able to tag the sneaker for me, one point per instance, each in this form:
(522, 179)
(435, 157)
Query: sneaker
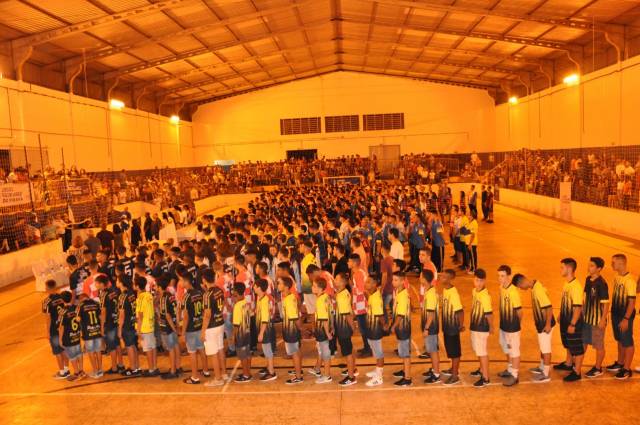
(563, 366)
(594, 372)
(294, 381)
(510, 381)
(206, 373)
(268, 377)
(291, 372)
(94, 375)
(623, 374)
(427, 372)
(263, 371)
(572, 377)
(371, 374)
(72, 377)
(476, 373)
(374, 381)
(323, 379)
(447, 372)
(403, 382)
(346, 382)
(504, 374)
(542, 378)
(214, 383)
(345, 372)
(169, 375)
(151, 373)
(399, 373)
(536, 370)
(242, 379)
(230, 353)
(615, 367)
(81, 375)
(99, 374)
(62, 375)
(191, 381)
(481, 382)
(453, 379)
(424, 356)
(432, 379)
(112, 372)
(314, 372)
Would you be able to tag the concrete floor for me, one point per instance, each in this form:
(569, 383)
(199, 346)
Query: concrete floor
(530, 244)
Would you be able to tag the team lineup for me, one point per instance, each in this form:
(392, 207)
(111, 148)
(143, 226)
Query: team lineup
(329, 266)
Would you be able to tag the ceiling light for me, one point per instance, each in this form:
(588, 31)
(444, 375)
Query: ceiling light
(116, 104)
(174, 119)
(513, 100)
(571, 80)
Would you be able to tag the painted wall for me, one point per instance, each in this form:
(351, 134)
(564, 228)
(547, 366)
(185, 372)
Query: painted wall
(93, 136)
(601, 111)
(438, 118)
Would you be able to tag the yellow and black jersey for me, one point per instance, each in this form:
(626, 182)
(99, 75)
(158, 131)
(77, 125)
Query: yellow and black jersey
(127, 303)
(343, 312)
(109, 302)
(481, 308)
(213, 300)
(375, 310)
(264, 313)
(70, 327)
(451, 305)
(88, 312)
(168, 306)
(596, 293)
(242, 323)
(193, 304)
(572, 294)
(323, 316)
(539, 303)
(290, 331)
(402, 310)
(429, 306)
(53, 306)
(510, 303)
(624, 289)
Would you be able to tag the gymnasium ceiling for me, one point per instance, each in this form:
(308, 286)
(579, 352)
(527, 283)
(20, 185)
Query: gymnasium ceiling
(188, 52)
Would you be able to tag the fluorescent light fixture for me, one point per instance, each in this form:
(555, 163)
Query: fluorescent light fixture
(571, 80)
(116, 104)
(513, 100)
(174, 119)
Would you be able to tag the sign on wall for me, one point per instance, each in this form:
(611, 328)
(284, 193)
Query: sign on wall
(565, 200)
(14, 194)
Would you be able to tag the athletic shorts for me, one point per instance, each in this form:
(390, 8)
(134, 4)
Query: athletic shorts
(129, 337)
(193, 341)
(73, 352)
(479, 343)
(267, 350)
(111, 340)
(404, 348)
(544, 342)
(376, 348)
(593, 336)
(510, 343)
(310, 303)
(323, 350)
(452, 346)
(93, 345)
(291, 348)
(243, 352)
(573, 342)
(148, 342)
(214, 340)
(624, 338)
(54, 341)
(431, 343)
(169, 341)
(346, 346)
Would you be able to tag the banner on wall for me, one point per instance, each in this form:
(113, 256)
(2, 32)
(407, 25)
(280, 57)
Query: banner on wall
(78, 188)
(565, 200)
(14, 194)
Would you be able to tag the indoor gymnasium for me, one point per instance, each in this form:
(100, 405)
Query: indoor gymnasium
(319, 211)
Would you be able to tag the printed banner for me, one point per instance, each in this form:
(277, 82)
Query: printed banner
(14, 194)
(565, 200)
(79, 188)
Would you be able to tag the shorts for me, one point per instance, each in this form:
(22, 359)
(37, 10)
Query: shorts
(404, 348)
(323, 350)
(376, 348)
(310, 303)
(291, 348)
(129, 337)
(93, 345)
(214, 340)
(452, 346)
(148, 342)
(73, 352)
(346, 346)
(573, 342)
(193, 341)
(169, 341)
(624, 338)
(479, 343)
(431, 343)
(593, 336)
(510, 343)
(111, 340)
(54, 341)
(544, 341)
(267, 350)
(243, 352)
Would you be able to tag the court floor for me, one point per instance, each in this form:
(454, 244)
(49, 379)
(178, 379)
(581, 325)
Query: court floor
(531, 244)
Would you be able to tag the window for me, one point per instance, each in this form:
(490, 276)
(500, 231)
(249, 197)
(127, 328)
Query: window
(300, 125)
(383, 121)
(336, 124)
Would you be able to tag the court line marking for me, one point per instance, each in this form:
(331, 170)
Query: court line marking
(19, 298)
(233, 372)
(286, 392)
(15, 325)
(24, 359)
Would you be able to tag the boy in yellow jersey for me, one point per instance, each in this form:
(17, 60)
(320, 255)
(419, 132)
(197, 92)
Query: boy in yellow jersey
(596, 311)
(571, 321)
(510, 318)
(344, 329)
(402, 328)
(145, 314)
(464, 237)
(452, 324)
(291, 328)
(266, 333)
(242, 331)
(429, 322)
(481, 326)
(375, 329)
(623, 303)
(322, 329)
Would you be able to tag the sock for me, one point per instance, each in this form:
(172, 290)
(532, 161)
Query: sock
(509, 369)
(546, 369)
(541, 364)
(514, 372)
(65, 369)
(379, 372)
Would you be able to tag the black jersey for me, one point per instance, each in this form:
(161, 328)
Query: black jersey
(109, 303)
(77, 278)
(70, 327)
(53, 306)
(127, 303)
(89, 315)
(214, 301)
(194, 306)
(168, 306)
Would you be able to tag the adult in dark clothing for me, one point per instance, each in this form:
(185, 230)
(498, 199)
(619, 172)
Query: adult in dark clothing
(106, 238)
(136, 233)
(92, 243)
(156, 225)
(148, 231)
(485, 210)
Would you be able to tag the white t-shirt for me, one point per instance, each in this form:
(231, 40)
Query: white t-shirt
(397, 251)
